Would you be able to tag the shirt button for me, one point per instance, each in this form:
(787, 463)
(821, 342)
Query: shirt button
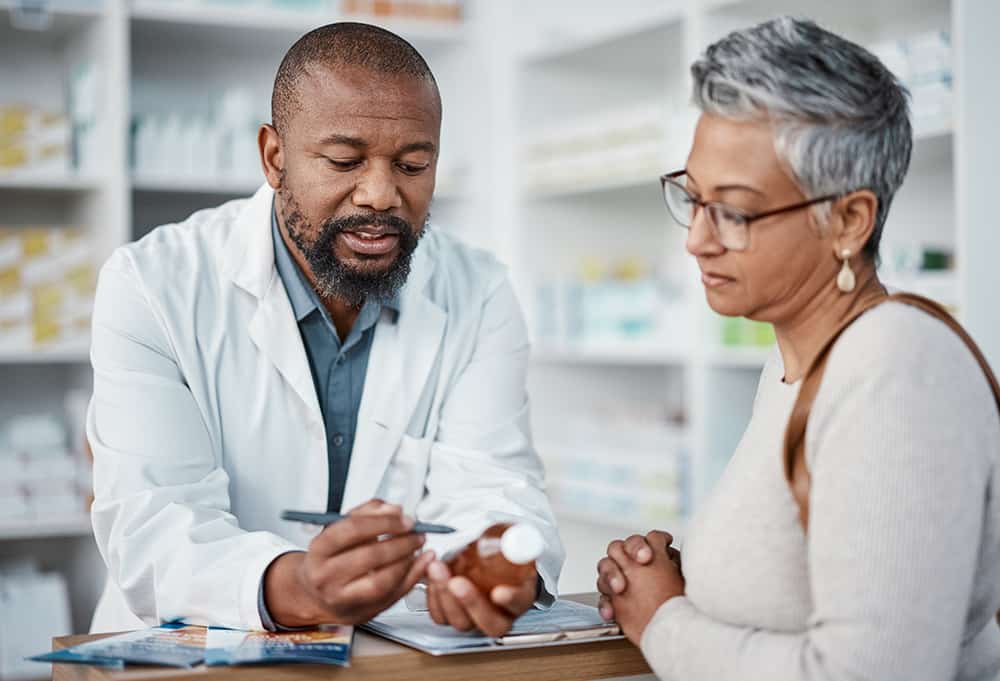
(338, 440)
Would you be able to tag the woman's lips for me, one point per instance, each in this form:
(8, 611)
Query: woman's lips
(712, 280)
(365, 243)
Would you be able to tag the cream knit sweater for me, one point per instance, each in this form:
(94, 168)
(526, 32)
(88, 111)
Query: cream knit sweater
(899, 577)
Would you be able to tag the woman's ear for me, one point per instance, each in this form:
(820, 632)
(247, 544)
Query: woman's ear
(853, 220)
(272, 157)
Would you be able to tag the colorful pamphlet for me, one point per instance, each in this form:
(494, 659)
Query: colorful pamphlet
(181, 645)
(170, 645)
(329, 644)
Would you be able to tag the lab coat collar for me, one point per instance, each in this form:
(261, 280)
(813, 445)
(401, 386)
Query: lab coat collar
(249, 253)
(402, 355)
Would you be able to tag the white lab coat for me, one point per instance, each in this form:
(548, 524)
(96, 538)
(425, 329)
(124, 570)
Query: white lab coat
(205, 422)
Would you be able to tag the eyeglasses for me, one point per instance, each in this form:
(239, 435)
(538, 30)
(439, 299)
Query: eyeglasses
(731, 226)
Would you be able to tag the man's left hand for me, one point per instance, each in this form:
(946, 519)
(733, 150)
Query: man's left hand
(457, 602)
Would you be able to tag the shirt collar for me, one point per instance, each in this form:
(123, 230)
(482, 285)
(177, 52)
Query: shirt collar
(301, 294)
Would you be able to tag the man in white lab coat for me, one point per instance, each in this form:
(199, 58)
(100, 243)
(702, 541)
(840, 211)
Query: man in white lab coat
(299, 350)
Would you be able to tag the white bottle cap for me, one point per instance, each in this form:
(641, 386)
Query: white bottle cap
(521, 544)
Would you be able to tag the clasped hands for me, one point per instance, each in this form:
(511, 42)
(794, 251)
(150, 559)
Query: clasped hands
(358, 567)
(638, 575)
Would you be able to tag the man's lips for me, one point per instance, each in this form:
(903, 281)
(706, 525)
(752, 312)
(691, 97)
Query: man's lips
(366, 241)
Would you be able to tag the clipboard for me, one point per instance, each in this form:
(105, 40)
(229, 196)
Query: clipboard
(566, 623)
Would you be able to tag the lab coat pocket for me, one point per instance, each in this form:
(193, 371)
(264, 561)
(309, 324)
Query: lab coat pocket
(403, 482)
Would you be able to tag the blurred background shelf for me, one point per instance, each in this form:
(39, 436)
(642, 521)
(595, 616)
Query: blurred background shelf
(44, 356)
(226, 18)
(612, 355)
(183, 185)
(48, 182)
(43, 528)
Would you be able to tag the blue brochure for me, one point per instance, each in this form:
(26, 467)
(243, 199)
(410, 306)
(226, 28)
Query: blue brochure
(169, 645)
(329, 644)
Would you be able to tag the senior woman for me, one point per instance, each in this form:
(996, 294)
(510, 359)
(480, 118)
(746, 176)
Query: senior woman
(894, 571)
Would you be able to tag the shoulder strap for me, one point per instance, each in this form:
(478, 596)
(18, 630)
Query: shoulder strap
(796, 471)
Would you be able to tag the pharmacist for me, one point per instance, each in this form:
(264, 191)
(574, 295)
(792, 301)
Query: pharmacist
(299, 350)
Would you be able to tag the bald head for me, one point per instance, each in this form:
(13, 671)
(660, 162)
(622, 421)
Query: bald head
(339, 45)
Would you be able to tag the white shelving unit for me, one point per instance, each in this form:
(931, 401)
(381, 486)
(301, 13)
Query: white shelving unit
(513, 71)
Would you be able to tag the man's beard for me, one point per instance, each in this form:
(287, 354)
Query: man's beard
(337, 279)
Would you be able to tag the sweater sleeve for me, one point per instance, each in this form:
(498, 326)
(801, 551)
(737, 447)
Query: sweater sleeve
(898, 447)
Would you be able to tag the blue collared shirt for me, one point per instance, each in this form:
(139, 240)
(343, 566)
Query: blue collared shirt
(338, 369)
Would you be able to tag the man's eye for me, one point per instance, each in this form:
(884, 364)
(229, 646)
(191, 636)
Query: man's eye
(343, 165)
(411, 169)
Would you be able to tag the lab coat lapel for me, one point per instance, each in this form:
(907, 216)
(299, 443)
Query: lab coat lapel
(249, 262)
(401, 359)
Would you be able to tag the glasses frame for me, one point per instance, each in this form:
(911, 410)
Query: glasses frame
(748, 218)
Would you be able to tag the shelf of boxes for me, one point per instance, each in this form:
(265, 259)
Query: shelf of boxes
(282, 18)
(47, 285)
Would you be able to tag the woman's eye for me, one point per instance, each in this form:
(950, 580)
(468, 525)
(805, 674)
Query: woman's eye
(731, 216)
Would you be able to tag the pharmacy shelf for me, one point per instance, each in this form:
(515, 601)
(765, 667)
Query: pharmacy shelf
(56, 18)
(227, 18)
(48, 182)
(638, 26)
(840, 16)
(617, 355)
(739, 358)
(183, 185)
(42, 528)
(646, 182)
(70, 356)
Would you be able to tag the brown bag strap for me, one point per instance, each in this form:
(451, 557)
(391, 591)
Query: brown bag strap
(796, 471)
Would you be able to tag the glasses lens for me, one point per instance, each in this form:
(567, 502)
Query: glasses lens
(731, 226)
(679, 202)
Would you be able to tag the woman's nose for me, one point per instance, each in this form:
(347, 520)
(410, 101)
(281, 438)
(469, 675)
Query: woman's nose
(701, 238)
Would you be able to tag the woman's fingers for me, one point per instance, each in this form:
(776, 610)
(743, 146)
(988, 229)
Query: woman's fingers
(605, 608)
(639, 549)
(610, 578)
(659, 540)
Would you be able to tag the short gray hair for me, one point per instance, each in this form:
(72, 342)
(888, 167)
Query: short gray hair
(841, 118)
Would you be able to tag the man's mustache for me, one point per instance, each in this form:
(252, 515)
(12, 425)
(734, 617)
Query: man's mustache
(382, 222)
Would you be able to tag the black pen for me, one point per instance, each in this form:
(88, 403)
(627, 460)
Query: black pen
(330, 518)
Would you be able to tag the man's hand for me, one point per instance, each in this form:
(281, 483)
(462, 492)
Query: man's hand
(611, 579)
(646, 586)
(457, 602)
(353, 570)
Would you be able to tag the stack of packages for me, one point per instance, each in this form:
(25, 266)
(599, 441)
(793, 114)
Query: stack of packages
(47, 285)
(34, 141)
(41, 477)
(422, 10)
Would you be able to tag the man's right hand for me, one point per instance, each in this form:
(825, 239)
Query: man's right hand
(353, 570)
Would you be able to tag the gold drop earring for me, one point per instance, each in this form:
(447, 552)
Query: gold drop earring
(845, 279)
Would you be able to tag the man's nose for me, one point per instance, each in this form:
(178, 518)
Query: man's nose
(376, 189)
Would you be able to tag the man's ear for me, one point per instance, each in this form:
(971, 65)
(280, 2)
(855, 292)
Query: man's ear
(853, 221)
(272, 155)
